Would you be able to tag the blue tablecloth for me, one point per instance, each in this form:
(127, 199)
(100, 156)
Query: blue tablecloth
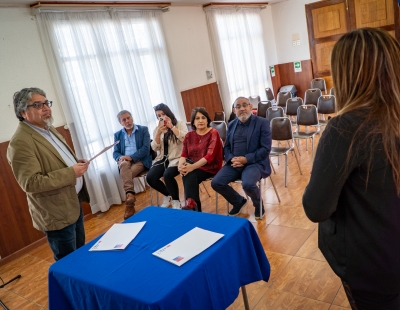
(135, 279)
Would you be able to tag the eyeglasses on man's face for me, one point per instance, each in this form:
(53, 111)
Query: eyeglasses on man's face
(40, 105)
(244, 105)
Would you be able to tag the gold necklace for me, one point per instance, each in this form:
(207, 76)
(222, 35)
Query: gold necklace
(199, 137)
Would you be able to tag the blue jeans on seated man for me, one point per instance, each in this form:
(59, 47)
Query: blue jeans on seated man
(249, 174)
(64, 241)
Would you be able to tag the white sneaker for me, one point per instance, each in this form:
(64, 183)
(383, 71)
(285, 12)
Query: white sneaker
(166, 202)
(176, 204)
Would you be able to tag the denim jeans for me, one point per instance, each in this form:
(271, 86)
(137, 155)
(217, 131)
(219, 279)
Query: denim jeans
(66, 240)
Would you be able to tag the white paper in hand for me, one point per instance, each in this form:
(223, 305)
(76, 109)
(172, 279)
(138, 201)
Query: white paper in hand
(118, 237)
(104, 150)
(188, 246)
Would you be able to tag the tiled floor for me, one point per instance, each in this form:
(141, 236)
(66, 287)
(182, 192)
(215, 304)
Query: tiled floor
(300, 276)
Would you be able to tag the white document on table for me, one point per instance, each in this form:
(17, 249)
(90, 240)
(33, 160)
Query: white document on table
(118, 237)
(188, 246)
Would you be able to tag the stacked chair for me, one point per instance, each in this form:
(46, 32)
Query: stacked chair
(292, 104)
(319, 83)
(270, 94)
(263, 107)
(282, 98)
(254, 100)
(326, 105)
(281, 130)
(311, 96)
(307, 116)
(219, 116)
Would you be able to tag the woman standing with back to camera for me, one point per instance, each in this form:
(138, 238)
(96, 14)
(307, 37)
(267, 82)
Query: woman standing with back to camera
(355, 182)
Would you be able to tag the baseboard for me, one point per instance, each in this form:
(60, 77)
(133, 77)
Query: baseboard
(32, 246)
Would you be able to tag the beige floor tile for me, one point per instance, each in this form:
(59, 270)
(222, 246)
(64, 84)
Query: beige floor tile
(334, 307)
(309, 278)
(278, 300)
(43, 252)
(277, 262)
(14, 301)
(33, 282)
(294, 217)
(310, 248)
(284, 240)
(254, 294)
(341, 299)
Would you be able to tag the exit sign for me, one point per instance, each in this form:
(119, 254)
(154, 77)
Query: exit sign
(297, 65)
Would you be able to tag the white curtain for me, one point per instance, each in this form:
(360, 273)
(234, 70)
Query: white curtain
(238, 51)
(102, 63)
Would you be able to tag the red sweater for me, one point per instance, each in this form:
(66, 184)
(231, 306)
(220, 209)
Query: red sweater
(209, 146)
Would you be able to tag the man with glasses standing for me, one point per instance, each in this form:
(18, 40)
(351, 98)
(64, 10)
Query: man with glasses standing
(246, 153)
(48, 172)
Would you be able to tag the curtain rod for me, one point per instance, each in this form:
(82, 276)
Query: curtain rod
(235, 4)
(99, 4)
(36, 11)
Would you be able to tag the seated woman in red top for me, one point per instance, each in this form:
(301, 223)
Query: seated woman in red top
(201, 156)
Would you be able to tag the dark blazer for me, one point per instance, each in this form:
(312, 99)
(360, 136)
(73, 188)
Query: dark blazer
(142, 137)
(258, 143)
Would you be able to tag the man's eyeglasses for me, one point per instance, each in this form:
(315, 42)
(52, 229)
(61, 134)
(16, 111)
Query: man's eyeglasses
(40, 105)
(244, 105)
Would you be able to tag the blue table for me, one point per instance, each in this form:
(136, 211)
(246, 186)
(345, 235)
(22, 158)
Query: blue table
(136, 279)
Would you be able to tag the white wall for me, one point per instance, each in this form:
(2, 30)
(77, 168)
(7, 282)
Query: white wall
(22, 64)
(289, 18)
(269, 35)
(189, 47)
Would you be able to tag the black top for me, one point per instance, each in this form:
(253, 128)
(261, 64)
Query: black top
(359, 214)
(240, 138)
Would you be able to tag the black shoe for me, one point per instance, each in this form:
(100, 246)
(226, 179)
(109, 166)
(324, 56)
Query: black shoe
(236, 210)
(257, 212)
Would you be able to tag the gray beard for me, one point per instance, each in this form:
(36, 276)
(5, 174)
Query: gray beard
(244, 118)
(49, 121)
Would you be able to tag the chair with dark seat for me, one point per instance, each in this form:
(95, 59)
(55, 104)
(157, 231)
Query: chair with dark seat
(311, 96)
(326, 105)
(263, 107)
(274, 112)
(219, 116)
(307, 116)
(222, 128)
(254, 100)
(282, 98)
(259, 184)
(332, 91)
(143, 176)
(319, 83)
(281, 130)
(269, 93)
(292, 104)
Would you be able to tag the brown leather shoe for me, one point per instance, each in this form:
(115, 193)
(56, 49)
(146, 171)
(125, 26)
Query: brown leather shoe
(130, 205)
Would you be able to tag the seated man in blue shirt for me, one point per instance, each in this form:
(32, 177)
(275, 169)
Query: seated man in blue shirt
(246, 153)
(132, 154)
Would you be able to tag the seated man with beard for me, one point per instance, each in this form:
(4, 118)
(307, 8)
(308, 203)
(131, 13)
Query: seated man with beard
(246, 153)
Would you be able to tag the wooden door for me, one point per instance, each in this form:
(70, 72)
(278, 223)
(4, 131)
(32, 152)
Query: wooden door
(327, 21)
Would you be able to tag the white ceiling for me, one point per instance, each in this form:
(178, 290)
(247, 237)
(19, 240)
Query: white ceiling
(23, 3)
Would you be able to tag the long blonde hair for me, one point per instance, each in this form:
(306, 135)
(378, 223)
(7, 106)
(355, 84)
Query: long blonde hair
(366, 74)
